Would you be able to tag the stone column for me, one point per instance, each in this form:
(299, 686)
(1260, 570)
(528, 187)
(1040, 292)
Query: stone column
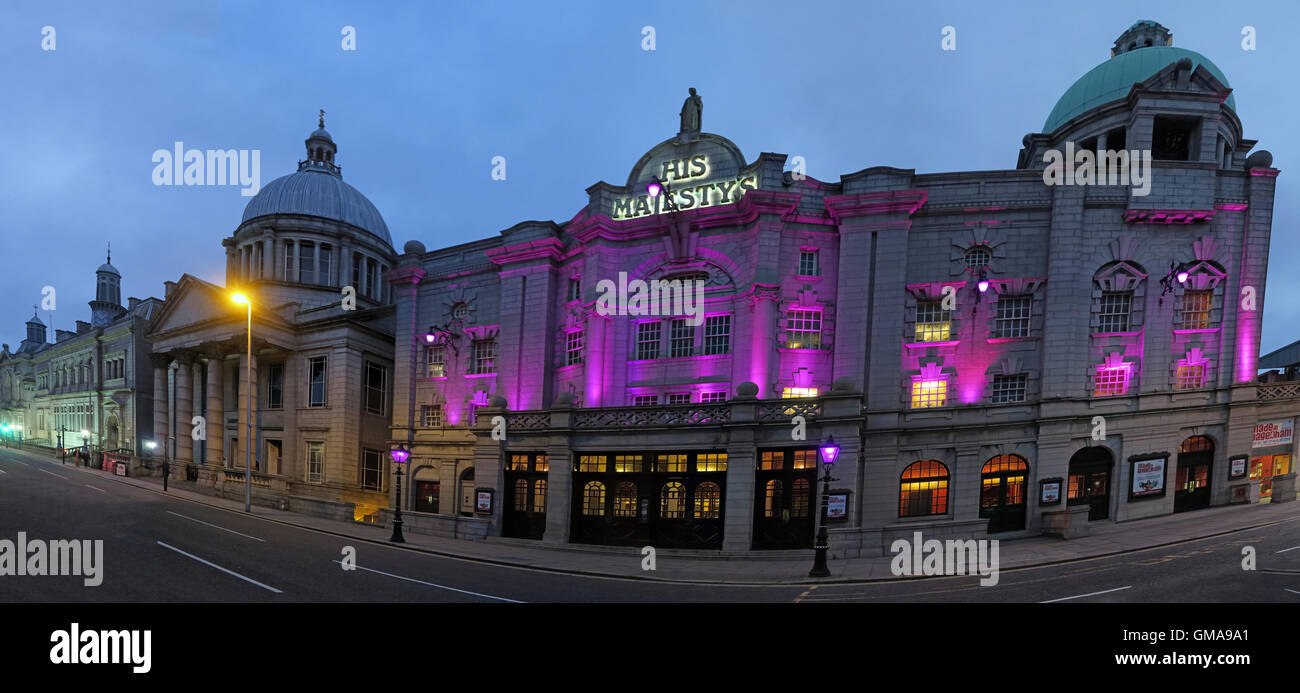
(160, 412)
(184, 408)
(594, 358)
(315, 265)
(293, 271)
(216, 407)
(247, 442)
(268, 257)
(763, 339)
(196, 375)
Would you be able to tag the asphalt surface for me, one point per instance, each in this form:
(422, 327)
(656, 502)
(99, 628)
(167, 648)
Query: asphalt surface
(162, 549)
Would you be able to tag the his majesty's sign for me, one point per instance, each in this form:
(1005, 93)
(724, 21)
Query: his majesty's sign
(689, 184)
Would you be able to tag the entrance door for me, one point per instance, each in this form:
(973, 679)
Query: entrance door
(783, 510)
(524, 515)
(426, 496)
(671, 500)
(1090, 481)
(467, 492)
(1195, 458)
(1002, 493)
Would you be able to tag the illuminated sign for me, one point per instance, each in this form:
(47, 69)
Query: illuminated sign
(690, 187)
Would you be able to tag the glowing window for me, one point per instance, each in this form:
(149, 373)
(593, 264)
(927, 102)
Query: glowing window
(1110, 381)
(795, 392)
(591, 463)
(539, 496)
(923, 489)
(521, 495)
(1190, 376)
(805, 459)
(771, 461)
(1195, 313)
(708, 501)
(518, 463)
(772, 498)
(1196, 444)
(929, 393)
(803, 329)
(627, 463)
(671, 463)
(672, 501)
(799, 498)
(933, 323)
(711, 462)
(625, 500)
(593, 499)
(543, 463)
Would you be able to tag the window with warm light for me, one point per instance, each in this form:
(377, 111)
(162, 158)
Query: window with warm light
(1189, 376)
(670, 463)
(672, 501)
(923, 489)
(1110, 381)
(708, 501)
(539, 496)
(771, 460)
(627, 463)
(805, 459)
(796, 392)
(1195, 312)
(803, 329)
(933, 323)
(711, 462)
(625, 499)
(929, 393)
(591, 463)
(435, 360)
(772, 498)
(801, 494)
(593, 499)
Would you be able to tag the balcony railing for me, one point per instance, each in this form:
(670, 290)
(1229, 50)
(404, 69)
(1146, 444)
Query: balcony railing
(624, 417)
(1282, 390)
(784, 410)
(237, 476)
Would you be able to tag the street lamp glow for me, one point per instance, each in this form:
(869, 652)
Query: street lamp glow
(84, 432)
(150, 444)
(239, 298)
(1182, 277)
(829, 451)
(655, 187)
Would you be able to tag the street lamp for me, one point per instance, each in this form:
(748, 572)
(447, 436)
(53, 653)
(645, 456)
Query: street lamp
(829, 451)
(248, 442)
(85, 443)
(400, 456)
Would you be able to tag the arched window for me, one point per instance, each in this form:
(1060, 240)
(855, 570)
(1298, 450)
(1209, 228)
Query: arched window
(672, 501)
(978, 257)
(1196, 444)
(923, 489)
(593, 499)
(708, 501)
(799, 498)
(625, 499)
(772, 498)
(521, 494)
(539, 496)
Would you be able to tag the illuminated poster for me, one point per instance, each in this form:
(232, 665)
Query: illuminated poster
(1269, 433)
(1148, 477)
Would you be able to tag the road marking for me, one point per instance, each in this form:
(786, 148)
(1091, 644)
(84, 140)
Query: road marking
(53, 474)
(95, 487)
(17, 462)
(1291, 590)
(3, 471)
(214, 565)
(194, 519)
(1090, 594)
(443, 587)
(1293, 548)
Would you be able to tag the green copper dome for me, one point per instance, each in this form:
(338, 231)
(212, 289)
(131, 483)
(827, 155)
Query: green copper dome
(1112, 80)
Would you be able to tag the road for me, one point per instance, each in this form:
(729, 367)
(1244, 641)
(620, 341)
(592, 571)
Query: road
(162, 549)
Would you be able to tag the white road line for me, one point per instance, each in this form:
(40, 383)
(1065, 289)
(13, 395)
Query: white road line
(95, 487)
(3, 471)
(195, 519)
(442, 587)
(1291, 590)
(53, 474)
(224, 570)
(17, 462)
(1293, 548)
(1090, 594)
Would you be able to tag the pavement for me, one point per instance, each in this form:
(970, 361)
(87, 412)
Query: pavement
(789, 568)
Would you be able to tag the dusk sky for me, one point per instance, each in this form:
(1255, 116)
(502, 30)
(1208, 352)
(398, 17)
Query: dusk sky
(562, 90)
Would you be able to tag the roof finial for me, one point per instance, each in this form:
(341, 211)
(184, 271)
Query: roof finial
(322, 117)
(110, 252)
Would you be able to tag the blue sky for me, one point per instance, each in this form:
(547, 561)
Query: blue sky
(563, 90)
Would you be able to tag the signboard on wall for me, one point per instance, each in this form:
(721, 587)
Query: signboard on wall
(1237, 467)
(1049, 491)
(837, 506)
(483, 500)
(1269, 433)
(1148, 477)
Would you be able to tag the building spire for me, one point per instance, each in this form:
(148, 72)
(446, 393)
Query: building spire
(110, 252)
(322, 117)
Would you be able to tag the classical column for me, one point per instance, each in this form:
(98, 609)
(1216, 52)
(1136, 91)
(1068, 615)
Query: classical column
(184, 408)
(763, 338)
(196, 379)
(216, 407)
(594, 366)
(268, 257)
(160, 413)
(293, 272)
(315, 265)
(247, 442)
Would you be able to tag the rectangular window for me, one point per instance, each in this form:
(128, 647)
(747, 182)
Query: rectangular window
(717, 334)
(573, 347)
(929, 393)
(771, 461)
(372, 470)
(306, 262)
(275, 386)
(431, 415)
(645, 400)
(323, 272)
(288, 261)
(1195, 314)
(681, 339)
(711, 462)
(1113, 315)
(1110, 381)
(435, 358)
(591, 463)
(316, 381)
(575, 289)
(647, 341)
(805, 459)
(712, 397)
(356, 271)
(808, 264)
(1190, 376)
(315, 462)
(628, 463)
(372, 278)
(679, 398)
(1013, 316)
(1009, 388)
(795, 392)
(670, 463)
(485, 356)
(376, 388)
(933, 323)
(803, 329)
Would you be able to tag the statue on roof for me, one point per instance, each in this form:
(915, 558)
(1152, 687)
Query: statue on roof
(691, 112)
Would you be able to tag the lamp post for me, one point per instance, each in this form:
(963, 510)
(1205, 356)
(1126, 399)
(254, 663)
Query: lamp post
(248, 442)
(400, 456)
(150, 445)
(828, 451)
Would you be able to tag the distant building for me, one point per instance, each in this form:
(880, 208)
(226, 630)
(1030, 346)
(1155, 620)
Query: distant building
(992, 353)
(322, 372)
(95, 379)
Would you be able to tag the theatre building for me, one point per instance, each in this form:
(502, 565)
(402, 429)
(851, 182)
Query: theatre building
(992, 354)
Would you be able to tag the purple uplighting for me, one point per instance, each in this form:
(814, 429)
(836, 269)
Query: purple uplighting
(1182, 277)
(654, 188)
(984, 285)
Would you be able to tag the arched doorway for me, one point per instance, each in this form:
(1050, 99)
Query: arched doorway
(1195, 458)
(1090, 481)
(467, 492)
(111, 435)
(1002, 492)
(524, 513)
